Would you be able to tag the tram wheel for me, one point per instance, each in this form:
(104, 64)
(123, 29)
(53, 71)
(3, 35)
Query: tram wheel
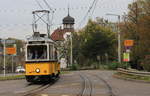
(57, 75)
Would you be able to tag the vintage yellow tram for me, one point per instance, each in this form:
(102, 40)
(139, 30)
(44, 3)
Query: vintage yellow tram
(41, 62)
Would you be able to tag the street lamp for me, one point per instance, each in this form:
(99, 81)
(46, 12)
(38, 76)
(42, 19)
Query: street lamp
(119, 37)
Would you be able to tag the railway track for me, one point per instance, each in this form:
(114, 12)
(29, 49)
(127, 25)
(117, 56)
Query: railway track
(86, 86)
(35, 91)
(108, 86)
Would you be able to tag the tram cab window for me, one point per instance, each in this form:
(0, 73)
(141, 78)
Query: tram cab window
(36, 52)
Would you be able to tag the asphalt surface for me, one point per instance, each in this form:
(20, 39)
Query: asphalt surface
(11, 74)
(75, 83)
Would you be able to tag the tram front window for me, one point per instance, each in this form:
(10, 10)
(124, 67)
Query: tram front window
(36, 52)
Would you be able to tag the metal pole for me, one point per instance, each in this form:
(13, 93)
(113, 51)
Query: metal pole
(48, 25)
(4, 47)
(34, 23)
(119, 41)
(12, 65)
(71, 57)
(119, 37)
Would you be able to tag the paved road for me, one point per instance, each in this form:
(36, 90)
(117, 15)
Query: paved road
(11, 74)
(72, 83)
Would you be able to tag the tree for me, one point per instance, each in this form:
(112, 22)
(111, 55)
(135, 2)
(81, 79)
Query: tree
(136, 26)
(94, 40)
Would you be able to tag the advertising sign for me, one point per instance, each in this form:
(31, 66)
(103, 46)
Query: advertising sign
(128, 43)
(126, 57)
(11, 50)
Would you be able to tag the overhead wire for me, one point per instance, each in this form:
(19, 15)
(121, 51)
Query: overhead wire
(51, 9)
(51, 23)
(63, 9)
(90, 8)
(48, 5)
(39, 4)
(94, 8)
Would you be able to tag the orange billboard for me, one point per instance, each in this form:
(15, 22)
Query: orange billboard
(11, 51)
(128, 43)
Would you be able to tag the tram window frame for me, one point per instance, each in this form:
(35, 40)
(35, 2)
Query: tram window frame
(55, 53)
(52, 52)
(51, 48)
(37, 59)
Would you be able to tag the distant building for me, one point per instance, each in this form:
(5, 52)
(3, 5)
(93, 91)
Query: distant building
(68, 26)
(59, 36)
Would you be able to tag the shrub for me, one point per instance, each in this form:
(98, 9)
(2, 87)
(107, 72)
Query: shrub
(113, 65)
(74, 67)
(146, 64)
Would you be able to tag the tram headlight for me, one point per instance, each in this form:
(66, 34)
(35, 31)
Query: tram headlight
(37, 70)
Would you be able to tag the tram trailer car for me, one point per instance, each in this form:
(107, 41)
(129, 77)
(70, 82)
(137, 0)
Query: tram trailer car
(41, 59)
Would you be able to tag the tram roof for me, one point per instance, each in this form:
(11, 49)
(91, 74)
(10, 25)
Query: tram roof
(33, 39)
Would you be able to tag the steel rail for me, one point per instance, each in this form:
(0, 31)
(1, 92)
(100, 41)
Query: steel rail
(91, 86)
(85, 87)
(108, 86)
(35, 91)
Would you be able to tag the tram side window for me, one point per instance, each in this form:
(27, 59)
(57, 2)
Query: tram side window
(51, 52)
(55, 53)
(37, 52)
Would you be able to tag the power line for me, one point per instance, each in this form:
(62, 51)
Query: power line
(39, 4)
(52, 18)
(94, 7)
(48, 5)
(59, 9)
(89, 10)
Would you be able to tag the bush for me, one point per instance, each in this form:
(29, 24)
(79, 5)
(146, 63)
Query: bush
(74, 67)
(146, 64)
(113, 65)
(124, 65)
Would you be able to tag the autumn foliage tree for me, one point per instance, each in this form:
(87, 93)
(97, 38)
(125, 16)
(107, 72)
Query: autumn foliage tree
(137, 27)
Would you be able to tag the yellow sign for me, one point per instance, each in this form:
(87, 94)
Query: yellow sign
(11, 51)
(128, 43)
(126, 57)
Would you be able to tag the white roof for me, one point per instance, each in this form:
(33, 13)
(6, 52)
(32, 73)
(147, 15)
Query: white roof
(32, 38)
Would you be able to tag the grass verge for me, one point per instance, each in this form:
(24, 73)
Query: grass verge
(15, 77)
(132, 77)
(65, 72)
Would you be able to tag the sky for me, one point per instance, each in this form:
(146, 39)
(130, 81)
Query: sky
(16, 15)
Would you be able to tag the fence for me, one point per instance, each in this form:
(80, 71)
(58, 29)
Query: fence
(131, 72)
